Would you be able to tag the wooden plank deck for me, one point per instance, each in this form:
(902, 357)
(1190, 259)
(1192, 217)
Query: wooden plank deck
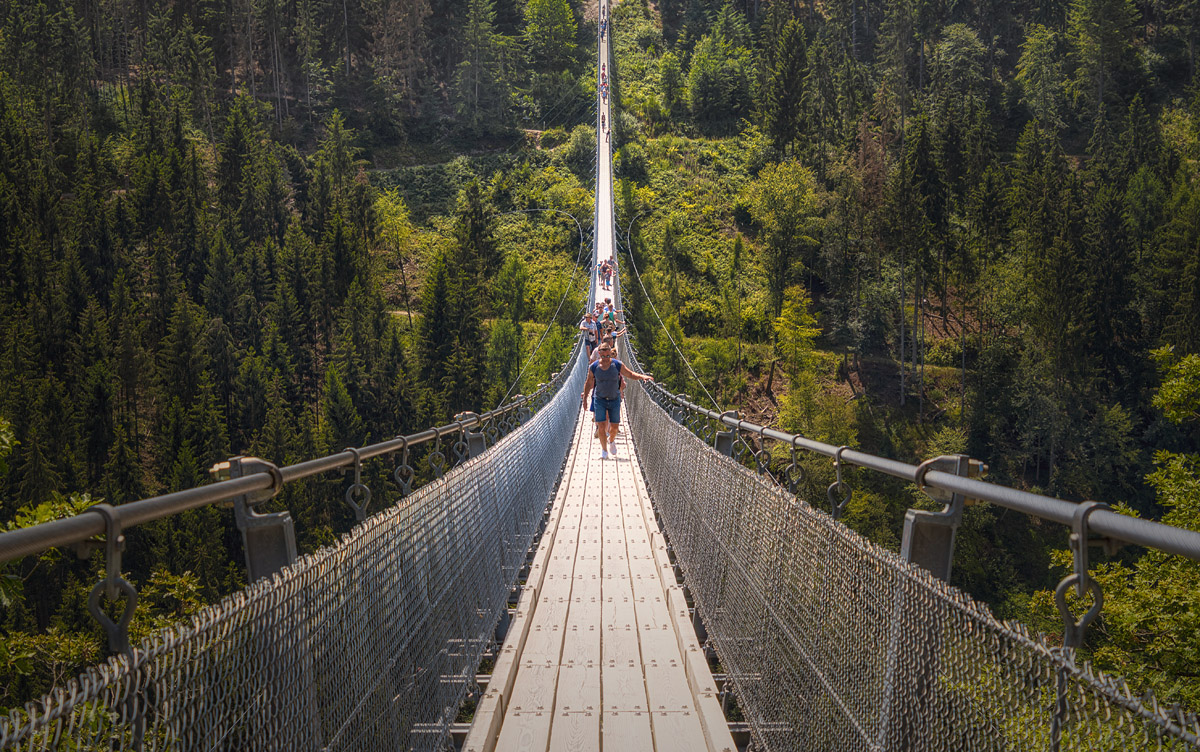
(603, 655)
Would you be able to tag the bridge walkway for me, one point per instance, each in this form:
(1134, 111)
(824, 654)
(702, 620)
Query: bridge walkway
(601, 653)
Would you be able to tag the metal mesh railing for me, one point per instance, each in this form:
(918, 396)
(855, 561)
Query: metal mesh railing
(833, 643)
(367, 644)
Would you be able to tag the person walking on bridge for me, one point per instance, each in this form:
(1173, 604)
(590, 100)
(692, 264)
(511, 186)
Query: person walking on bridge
(605, 377)
(591, 331)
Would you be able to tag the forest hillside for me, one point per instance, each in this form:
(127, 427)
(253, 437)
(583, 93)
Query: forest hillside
(914, 227)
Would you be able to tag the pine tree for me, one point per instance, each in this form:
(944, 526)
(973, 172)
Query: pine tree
(549, 33)
(480, 83)
(182, 358)
(477, 252)
(339, 416)
(1101, 33)
(783, 86)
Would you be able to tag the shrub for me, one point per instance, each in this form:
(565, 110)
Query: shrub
(556, 136)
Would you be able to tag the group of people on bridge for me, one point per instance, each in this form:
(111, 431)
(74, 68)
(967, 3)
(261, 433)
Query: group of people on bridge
(606, 375)
(604, 270)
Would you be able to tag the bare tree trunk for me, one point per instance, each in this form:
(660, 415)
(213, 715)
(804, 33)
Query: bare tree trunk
(250, 47)
(404, 287)
(962, 352)
(902, 319)
(346, 34)
(854, 29)
(915, 337)
(232, 49)
(921, 393)
(921, 68)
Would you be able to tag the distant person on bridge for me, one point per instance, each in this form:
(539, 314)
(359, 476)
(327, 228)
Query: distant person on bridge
(605, 377)
(609, 313)
(591, 331)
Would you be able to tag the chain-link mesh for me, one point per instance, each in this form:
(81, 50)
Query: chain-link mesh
(367, 644)
(833, 643)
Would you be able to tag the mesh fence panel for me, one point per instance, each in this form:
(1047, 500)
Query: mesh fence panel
(833, 643)
(369, 644)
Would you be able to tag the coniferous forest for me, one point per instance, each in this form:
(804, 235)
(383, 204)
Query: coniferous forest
(915, 227)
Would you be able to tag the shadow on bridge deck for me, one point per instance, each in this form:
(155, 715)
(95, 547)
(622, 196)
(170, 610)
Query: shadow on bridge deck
(601, 653)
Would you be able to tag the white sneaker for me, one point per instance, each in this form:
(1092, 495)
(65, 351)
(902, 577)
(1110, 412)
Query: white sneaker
(613, 451)
(603, 454)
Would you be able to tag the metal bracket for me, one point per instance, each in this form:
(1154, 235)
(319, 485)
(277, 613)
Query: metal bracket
(358, 496)
(762, 457)
(269, 540)
(113, 585)
(837, 507)
(437, 460)
(1074, 629)
(723, 441)
(679, 412)
(460, 448)
(475, 437)
(795, 474)
(404, 473)
(929, 536)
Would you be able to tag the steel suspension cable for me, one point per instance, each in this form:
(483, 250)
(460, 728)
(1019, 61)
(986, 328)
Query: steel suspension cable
(661, 323)
(549, 324)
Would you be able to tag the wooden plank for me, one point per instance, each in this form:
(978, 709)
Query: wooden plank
(528, 719)
(577, 709)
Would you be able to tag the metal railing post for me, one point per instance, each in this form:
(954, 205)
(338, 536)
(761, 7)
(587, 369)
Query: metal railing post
(269, 539)
(911, 665)
(723, 441)
(929, 536)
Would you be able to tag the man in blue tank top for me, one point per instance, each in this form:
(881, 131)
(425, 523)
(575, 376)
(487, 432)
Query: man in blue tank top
(605, 377)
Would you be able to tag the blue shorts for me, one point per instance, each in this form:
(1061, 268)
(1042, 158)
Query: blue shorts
(607, 409)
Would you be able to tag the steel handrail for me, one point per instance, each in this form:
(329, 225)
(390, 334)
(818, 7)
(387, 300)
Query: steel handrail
(16, 544)
(1103, 522)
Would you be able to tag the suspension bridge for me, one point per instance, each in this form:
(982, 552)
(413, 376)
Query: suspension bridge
(632, 603)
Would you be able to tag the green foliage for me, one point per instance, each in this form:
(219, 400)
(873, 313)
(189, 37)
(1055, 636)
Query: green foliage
(580, 153)
(7, 443)
(783, 204)
(1040, 74)
(481, 86)
(549, 33)
(1101, 37)
(1179, 395)
(795, 331)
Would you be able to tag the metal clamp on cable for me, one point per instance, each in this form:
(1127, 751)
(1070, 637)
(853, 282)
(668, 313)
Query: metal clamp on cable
(403, 474)
(113, 585)
(476, 440)
(1074, 629)
(460, 448)
(795, 474)
(269, 540)
(838, 487)
(437, 460)
(723, 440)
(357, 490)
(762, 457)
(928, 539)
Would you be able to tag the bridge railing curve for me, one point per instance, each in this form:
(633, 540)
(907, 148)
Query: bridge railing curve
(832, 642)
(359, 646)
